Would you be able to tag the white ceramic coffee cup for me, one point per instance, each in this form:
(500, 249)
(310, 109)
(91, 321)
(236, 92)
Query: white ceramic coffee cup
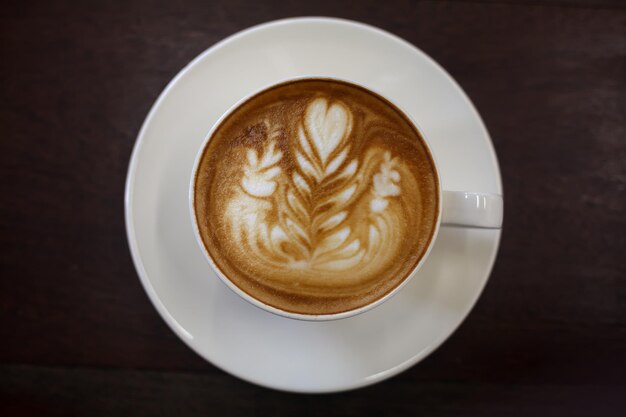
(456, 208)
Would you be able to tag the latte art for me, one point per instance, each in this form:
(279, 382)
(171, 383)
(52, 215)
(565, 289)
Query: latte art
(302, 220)
(316, 197)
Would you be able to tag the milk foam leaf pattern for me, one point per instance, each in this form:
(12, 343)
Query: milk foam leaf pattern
(259, 173)
(248, 210)
(385, 184)
(304, 219)
(322, 149)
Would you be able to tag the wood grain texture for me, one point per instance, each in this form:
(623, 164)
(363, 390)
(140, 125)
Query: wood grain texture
(96, 392)
(548, 336)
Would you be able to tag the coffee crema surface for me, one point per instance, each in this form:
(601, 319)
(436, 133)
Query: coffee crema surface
(316, 197)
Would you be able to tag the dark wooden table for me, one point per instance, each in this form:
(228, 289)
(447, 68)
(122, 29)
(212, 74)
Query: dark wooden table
(78, 335)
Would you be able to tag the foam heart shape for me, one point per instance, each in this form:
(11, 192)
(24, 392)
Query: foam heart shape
(327, 126)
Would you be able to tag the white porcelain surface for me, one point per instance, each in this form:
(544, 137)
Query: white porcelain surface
(242, 339)
(465, 208)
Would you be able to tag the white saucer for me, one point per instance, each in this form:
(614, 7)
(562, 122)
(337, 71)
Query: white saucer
(229, 332)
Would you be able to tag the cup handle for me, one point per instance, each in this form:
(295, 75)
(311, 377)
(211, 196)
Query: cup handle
(469, 209)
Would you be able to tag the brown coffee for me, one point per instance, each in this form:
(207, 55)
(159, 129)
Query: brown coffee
(316, 197)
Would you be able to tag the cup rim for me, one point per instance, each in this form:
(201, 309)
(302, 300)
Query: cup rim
(256, 302)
